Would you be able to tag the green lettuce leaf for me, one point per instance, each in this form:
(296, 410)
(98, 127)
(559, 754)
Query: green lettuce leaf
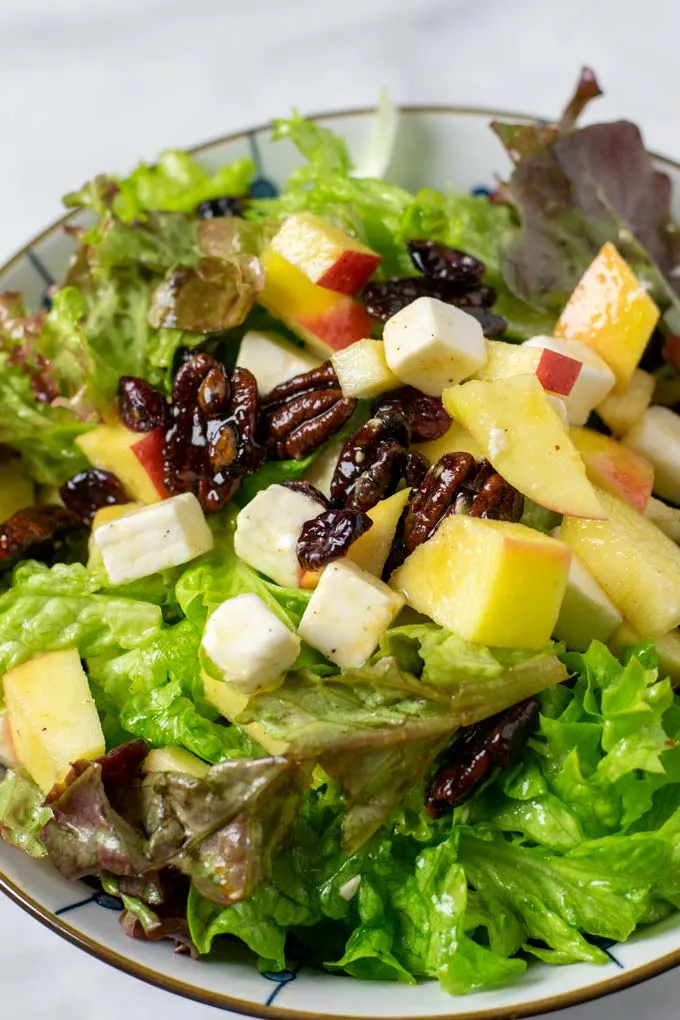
(22, 814)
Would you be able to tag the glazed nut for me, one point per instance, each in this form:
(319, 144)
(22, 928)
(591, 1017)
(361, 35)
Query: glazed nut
(34, 531)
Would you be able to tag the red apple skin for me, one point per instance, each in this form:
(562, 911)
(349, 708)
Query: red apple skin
(630, 478)
(558, 373)
(149, 453)
(344, 325)
(349, 272)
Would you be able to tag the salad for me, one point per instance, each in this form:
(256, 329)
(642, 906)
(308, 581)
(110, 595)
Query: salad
(340, 585)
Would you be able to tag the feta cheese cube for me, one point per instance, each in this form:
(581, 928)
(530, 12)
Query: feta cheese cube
(249, 643)
(432, 345)
(154, 538)
(267, 531)
(272, 359)
(594, 381)
(348, 613)
(321, 472)
(362, 370)
(657, 437)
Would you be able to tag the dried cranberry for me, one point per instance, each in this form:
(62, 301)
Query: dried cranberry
(89, 491)
(307, 489)
(142, 408)
(384, 298)
(225, 205)
(492, 324)
(329, 536)
(431, 258)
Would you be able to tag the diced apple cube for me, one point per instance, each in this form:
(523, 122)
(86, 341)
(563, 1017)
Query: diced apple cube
(17, 489)
(362, 370)
(348, 613)
(154, 538)
(556, 372)
(322, 318)
(492, 582)
(174, 759)
(657, 437)
(249, 643)
(325, 253)
(230, 701)
(272, 359)
(636, 564)
(521, 434)
(370, 551)
(611, 312)
(587, 613)
(665, 517)
(615, 467)
(667, 648)
(432, 345)
(593, 383)
(267, 532)
(52, 717)
(112, 448)
(621, 411)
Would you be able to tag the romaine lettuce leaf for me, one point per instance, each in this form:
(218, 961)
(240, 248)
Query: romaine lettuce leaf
(22, 813)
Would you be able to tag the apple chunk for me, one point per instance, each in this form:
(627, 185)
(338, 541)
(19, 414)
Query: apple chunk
(362, 370)
(370, 551)
(657, 437)
(326, 320)
(614, 467)
(621, 411)
(324, 253)
(522, 436)
(636, 564)
(134, 458)
(456, 439)
(555, 371)
(492, 582)
(611, 312)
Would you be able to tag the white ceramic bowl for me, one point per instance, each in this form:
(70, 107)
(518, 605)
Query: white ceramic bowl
(437, 146)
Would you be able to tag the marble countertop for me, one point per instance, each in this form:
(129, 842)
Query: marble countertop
(88, 85)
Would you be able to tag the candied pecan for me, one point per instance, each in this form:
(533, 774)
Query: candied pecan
(214, 392)
(426, 416)
(34, 532)
(214, 493)
(142, 408)
(381, 477)
(430, 502)
(361, 450)
(497, 500)
(431, 258)
(329, 536)
(302, 413)
(89, 491)
(478, 749)
(417, 466)
(307, 489)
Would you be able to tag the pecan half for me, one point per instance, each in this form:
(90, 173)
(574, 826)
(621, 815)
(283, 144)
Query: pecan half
(329, 536)
(426, 416)
(35, 531)
(372, 462)
(302, 413)
(478, 749)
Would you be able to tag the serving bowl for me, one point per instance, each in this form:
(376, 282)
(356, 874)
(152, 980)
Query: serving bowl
(435, 146)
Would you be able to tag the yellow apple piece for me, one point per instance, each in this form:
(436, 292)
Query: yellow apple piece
(324, 319)
(17, 489)
(324, 253)
(611, 312)
(111, 448)
(636, 564)
(522, 436)
(456, 439)
(174, 759)
(556, 372)
(492, 582)
(52, 717)
(362, 370)
(667, 648)
(614, 467)
(621, 411)
(370, 551)
(665, 517)
(230, 702)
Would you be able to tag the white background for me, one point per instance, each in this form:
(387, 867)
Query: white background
(90, 85)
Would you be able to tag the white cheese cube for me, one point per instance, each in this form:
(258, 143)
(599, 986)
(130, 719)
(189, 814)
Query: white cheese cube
(267, 531)
(249, 643)
(432, 345)
(321, 472)
(348, 613)
(594, 382)
(154, 538)
(272, 359)
(362, 370)
(657, 437)
(665, 517)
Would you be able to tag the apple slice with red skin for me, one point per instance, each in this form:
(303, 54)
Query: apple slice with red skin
(149, 453)
(615, 467)
(557, 373)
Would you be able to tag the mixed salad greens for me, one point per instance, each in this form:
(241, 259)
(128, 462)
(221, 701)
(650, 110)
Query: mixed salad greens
(306, 664)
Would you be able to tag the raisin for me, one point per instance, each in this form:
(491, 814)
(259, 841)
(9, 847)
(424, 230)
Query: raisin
(142, 408)
(431, 258)
(89, 491)
(307, 489)
(225, 205)
(384, 298)
(329, 536)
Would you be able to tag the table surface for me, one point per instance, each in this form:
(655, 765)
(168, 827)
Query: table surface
(91, 85)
